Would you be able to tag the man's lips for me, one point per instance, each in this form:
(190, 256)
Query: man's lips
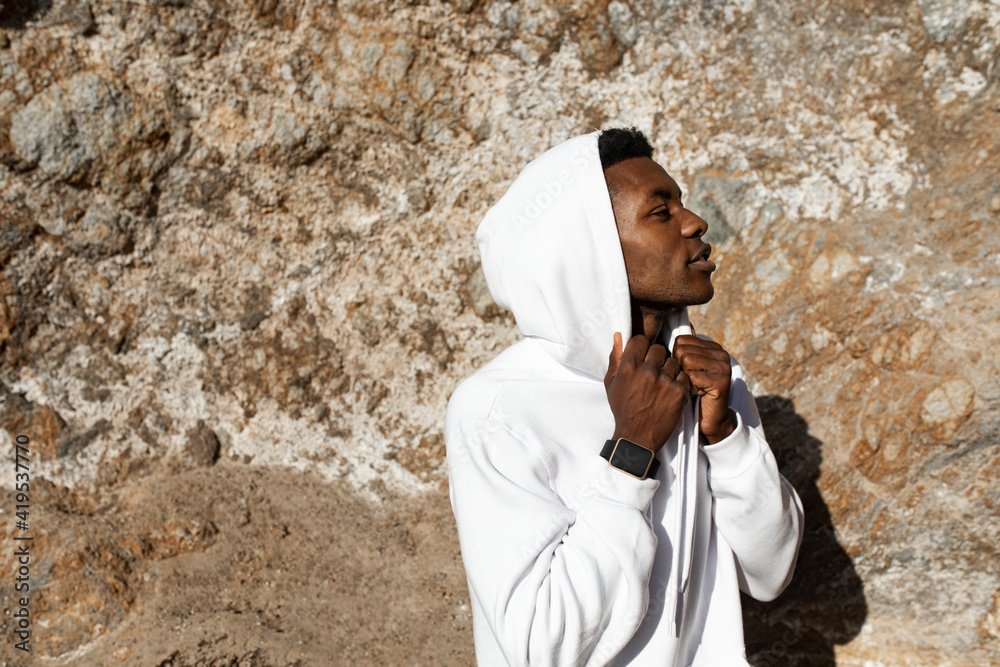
(701, 260)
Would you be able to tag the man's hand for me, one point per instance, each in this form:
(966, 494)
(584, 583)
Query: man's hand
(647, 391)
(708, 367)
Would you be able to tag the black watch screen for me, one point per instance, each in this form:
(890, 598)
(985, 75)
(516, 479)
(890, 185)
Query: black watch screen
(631, 458)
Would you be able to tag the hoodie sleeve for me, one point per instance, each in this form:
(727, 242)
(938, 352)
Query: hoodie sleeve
(558, 585)
(756, 509)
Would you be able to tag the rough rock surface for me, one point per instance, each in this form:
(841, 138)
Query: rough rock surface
(238, 282)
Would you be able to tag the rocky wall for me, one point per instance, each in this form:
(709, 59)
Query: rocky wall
(239, 235)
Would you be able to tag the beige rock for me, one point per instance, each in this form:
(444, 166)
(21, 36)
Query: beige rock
(904, 348)
(262, 216)
(949, 401)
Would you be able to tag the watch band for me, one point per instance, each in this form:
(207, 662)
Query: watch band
(609, 447)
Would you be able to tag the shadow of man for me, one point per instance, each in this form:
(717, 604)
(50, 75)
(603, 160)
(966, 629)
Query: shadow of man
(825, 603)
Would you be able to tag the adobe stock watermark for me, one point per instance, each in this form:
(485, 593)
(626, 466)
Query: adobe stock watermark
(22, 615)
(750, 506)
(471, 437)
(659, 596)
(620, 299)
(777, 652)
(471, 448)
(612, 645)
(552, 188)
(558, 526)
(595, 319)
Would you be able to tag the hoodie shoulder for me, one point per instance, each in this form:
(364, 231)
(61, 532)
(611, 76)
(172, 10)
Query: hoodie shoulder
(474, 397)
(520, 382)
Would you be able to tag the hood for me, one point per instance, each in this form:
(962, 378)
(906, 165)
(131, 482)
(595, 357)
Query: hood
(551, 255)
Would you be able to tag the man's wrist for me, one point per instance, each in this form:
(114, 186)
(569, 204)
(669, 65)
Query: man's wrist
(637, 439)
(723, 431)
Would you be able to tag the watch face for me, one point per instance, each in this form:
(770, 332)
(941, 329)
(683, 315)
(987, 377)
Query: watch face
(630, 457)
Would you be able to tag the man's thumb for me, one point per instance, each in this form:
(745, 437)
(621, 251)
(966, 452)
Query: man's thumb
(614, 359)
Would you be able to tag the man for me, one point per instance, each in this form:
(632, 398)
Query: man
(611, 503)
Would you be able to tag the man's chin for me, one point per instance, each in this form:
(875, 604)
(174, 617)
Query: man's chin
(708, 296)
(702, 296)
(693, 298)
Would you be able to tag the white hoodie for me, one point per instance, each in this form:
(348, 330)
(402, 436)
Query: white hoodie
(569, 561)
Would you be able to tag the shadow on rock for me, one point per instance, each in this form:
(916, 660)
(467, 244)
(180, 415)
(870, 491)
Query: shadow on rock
(825, 603)
(16, 13)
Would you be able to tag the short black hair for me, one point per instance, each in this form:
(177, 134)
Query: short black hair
(620, 143)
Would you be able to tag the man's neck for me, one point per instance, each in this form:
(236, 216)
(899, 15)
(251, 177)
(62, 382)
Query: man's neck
(648, 320)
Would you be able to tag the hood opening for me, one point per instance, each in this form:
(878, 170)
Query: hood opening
(552, 256)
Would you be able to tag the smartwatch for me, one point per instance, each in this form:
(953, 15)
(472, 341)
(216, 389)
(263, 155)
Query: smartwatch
(631, 458)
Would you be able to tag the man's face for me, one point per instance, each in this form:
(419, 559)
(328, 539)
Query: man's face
(666, 260)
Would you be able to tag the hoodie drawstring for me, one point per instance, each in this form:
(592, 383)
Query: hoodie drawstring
(689, 491)
(686, 507)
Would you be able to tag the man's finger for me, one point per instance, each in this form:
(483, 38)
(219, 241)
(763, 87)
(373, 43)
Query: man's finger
(694, 361)
(635, 349)
(706, 380)
(701, 347)
(614, 359)
(691, 340)
(656, 354)
(683, 378)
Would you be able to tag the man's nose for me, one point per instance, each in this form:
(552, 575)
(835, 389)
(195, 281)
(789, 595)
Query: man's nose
(693, 225)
